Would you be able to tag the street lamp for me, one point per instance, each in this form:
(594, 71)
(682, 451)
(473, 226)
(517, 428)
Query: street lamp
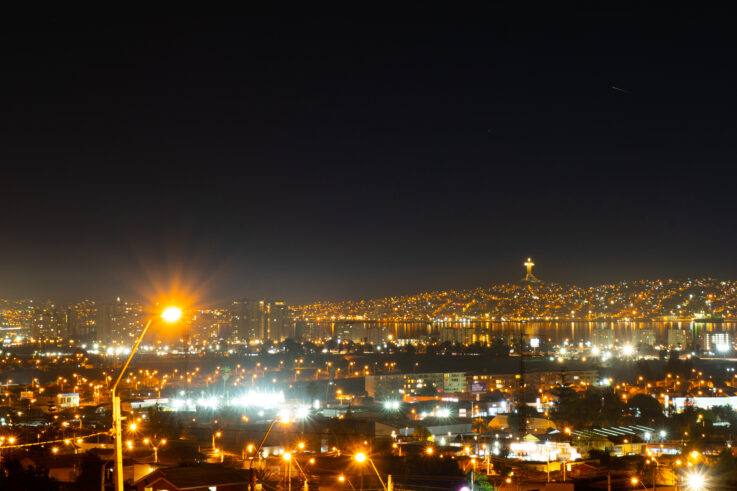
(258, 449)
(361, 457)
(288, 459)
(155, 447)
(695, 481)
(170, 315)
(342, 479)
(635, 481)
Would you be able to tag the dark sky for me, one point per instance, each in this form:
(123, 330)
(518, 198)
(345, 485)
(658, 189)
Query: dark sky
(347, 154)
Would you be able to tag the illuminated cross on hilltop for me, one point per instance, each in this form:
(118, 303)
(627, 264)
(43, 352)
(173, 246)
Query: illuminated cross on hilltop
(530, 277)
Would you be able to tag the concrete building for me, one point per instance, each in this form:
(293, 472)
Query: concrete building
(313, 331)
(646, 336)
(677, 338)
(707, 402)
(399, 385)
(534, 380)
(460, 335)
(715, 342)
(117, 320)
(602, 337)
(261, 320)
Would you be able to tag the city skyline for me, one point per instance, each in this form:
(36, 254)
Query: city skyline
(457, 247)
(706, 301)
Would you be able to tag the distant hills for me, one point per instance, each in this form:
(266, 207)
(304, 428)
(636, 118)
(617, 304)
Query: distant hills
(645, 299)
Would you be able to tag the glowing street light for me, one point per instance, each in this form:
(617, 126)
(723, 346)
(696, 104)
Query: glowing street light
(155, 447)
(695, 481)
(635, 481)
(361, 457)
(217, 434)
(288, 458)
(171, 315)
(342, 479)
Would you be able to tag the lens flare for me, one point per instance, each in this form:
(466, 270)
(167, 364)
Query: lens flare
(171, 314)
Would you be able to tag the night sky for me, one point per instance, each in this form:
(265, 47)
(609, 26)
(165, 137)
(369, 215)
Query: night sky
(333, 155)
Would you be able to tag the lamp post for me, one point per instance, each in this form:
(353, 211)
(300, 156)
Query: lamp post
(656, 464)
(342, 479)
(155, 447)
(217, 434)
(288, 459)
(258, 453)
(293, 458)
(170, 315)
(361, 457)
(635, 481)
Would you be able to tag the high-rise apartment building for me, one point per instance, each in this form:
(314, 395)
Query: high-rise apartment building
(261, 320)
(602, 337)
(677, 338)
(279, 323)
(646, 336)
(118, 321)
(108, 321)
(715, 342)
(313, 331)
(460, 335)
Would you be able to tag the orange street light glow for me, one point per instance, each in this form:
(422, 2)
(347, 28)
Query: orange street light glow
(360, 457)
(171, 314)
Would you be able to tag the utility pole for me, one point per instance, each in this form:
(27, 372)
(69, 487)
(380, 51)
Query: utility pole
(186, 367)
(521, 406)
(655, 475)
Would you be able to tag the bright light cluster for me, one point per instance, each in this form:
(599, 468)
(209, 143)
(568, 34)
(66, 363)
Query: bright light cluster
(695, 481)
(255, 398)
(250, 399)
(391, 405)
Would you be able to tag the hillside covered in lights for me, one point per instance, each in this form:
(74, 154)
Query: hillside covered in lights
(637, 300)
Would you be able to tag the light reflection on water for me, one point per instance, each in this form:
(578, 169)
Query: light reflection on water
(556, 331)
